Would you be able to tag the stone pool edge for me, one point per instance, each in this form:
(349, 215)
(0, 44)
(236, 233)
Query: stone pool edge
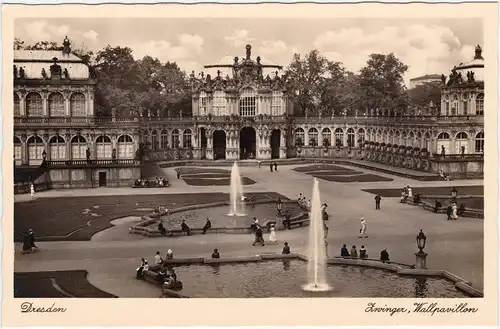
(460, 283)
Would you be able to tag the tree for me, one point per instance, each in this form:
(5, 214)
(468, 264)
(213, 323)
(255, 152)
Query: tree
(381, 83)
(423, 94)
(18, 44)
(305, 80)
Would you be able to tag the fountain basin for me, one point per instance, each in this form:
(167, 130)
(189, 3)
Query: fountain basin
(284, 278)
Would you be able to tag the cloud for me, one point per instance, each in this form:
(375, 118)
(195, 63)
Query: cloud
(425, 49)
(272, 47)
(58, 31)
(90, 35)
(239, 38)
(186, 48)
(36, 30)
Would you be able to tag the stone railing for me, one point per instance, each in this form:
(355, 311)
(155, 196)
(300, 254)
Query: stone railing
(380, 119)
(92, 163)
(178, 154)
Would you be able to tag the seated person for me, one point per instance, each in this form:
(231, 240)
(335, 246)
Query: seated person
(286, 249)
(384, 256)
(143, 267)
(437, 206)
(160, 277)
(137, 182)
(170, 254)
(344, 252)
(461, 209)
(185, 227)
(161, 228)
(215, 254)
(160, 182)
(244, 198)
(207, 226)
(165, 182)
(417, 198)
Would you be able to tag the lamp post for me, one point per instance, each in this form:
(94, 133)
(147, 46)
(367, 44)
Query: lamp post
(421, 256)
(279, 205)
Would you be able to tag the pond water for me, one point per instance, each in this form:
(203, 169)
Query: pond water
(218, 216)
(284, 278)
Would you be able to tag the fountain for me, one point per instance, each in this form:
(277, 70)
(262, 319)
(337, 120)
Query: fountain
(316, 269)
(235, 193)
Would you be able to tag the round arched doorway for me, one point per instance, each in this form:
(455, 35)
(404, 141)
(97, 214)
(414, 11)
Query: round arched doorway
(275, 144)
(248, 138)
(219, 140)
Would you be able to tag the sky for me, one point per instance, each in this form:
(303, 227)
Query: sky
(427, 46)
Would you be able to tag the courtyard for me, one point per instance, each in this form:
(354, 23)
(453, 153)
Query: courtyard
(75, 233)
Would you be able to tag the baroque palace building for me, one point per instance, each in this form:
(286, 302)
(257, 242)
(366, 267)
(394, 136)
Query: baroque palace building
(241, 110)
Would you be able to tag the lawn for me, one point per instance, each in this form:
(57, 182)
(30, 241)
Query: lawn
(312, 168)
(431, 190)
(59, 219)
(355, 179)
(216, 181)
(194, 170)
(41, 285)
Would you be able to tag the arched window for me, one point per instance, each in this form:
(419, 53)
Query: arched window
(391, 137)
(480, 142)
(462, 141)
(77, 105)
(385, 136)
(373, 135)
(427, 141)
(35, 150)
(299, 137)
(446, 105)
(327, 136)
(125, 147)
(57, 148)
(465, 104)
(339, 137)
(17, 105)
(203, 103)
(443, 140)
(361, 136)
(18, 155)
(164, 139)
(418, 142)
(219, 105)
(34, 106)
(154, 140)
(56, 105)
(145, 139)
(313, 137)
(175, 138)
(186, 138)
(379, 136)
(398, 138)
(455, 105)
(404, 137)
(248, 103)
(78, 148)
(104, 147)
(480, 104)
(350, 137)
(277, 103)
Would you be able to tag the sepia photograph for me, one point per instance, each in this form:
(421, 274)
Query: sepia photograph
(251, 157)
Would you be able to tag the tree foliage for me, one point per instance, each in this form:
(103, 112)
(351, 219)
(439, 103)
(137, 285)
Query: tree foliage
(425, 93)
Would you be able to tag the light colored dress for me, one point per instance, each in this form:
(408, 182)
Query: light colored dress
(32, 190)
(410, 193)
(272, 235)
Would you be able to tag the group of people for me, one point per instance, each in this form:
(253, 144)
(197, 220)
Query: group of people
(303, 202)
(362, 254)
(158, 182)
(444, 176)
(184, 227)
(453, 211)
(164, 273)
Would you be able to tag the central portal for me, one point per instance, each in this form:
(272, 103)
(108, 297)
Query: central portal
(247, 143)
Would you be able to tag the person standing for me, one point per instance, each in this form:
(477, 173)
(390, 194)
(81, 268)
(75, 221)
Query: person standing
(454, 214)
(449, 212)
(377, 201)
(362, 231)
(275, 166)
(384, 256)
(272, 234)
(32, 190)
(271, 166)
(259, 237)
